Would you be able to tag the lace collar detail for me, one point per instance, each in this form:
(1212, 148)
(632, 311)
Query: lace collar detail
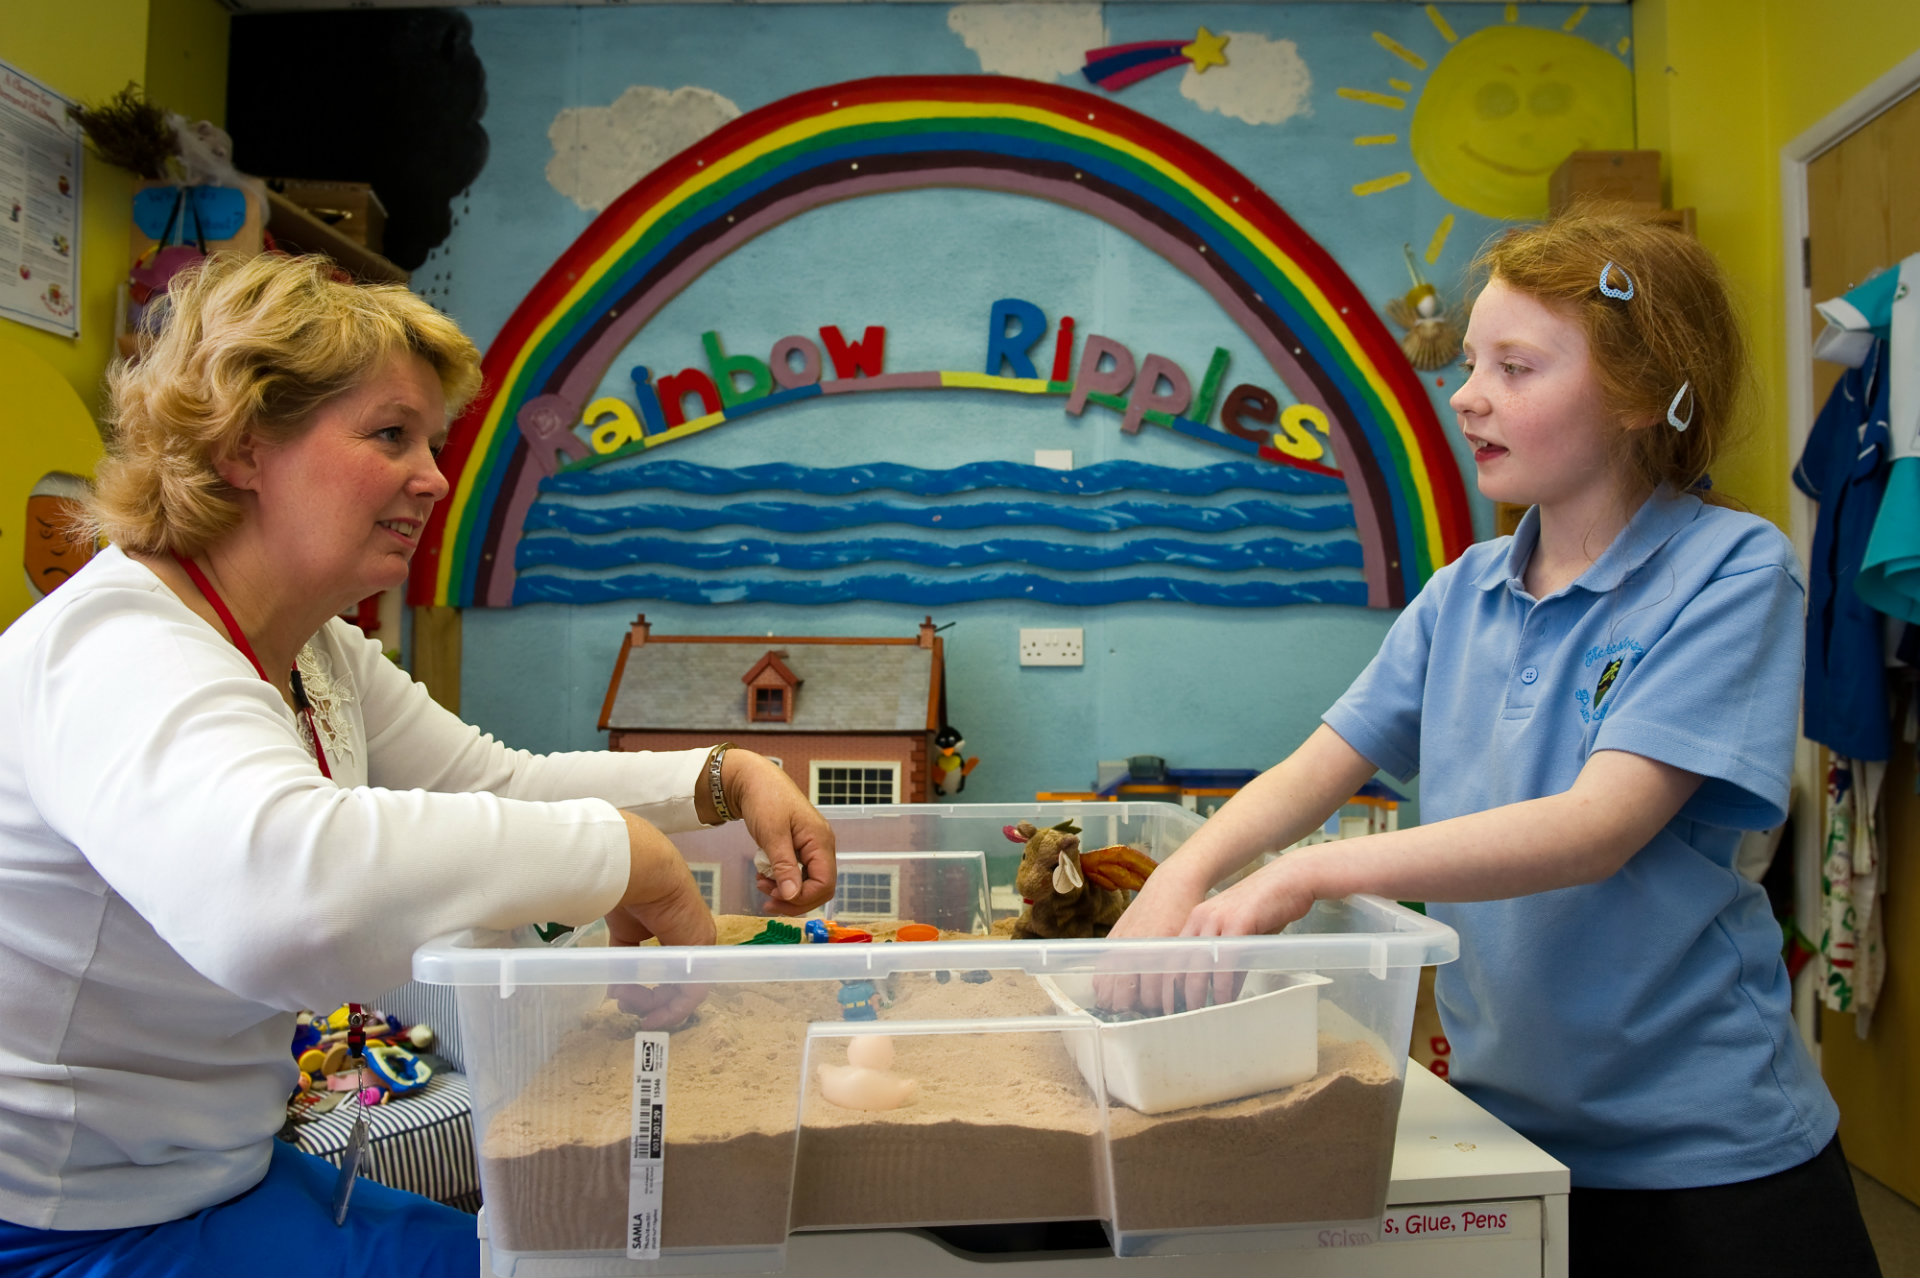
(330, 698)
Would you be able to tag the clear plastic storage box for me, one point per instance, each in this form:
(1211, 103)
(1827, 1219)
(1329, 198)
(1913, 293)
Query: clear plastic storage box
(1250, 1124)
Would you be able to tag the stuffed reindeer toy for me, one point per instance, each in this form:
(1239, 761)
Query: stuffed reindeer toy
(1070, 893)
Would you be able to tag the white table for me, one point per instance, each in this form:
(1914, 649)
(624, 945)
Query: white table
(1469, 1196)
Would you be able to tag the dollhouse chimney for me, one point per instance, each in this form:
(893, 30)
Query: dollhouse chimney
(926, 633)
(637, 632)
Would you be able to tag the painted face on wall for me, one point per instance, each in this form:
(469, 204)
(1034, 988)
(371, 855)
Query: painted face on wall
(1507, 105)
(54, 552)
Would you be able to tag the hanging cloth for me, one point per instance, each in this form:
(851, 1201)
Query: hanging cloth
(1853, 932)
(1887, 306)
(1844, 469)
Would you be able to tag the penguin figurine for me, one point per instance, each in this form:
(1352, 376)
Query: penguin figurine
(950, 768)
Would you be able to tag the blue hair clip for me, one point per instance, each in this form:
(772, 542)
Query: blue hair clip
(1673, 409)
(1622, 294)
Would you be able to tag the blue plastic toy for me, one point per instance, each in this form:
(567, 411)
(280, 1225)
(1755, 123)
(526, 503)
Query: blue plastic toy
(856, 1001)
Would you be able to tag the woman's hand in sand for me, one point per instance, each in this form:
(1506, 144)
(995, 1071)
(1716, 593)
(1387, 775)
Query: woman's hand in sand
(662, 901)
(795, 868)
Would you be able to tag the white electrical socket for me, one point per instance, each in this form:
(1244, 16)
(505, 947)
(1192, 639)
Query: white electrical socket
(1062, 647)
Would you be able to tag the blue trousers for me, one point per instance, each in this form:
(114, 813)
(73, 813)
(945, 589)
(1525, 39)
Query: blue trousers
(283, 1225)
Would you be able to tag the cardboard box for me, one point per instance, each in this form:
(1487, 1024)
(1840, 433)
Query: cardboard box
(350, 208)
(1619, 177)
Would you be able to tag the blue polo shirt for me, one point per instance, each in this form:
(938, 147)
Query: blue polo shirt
(1639, 1028)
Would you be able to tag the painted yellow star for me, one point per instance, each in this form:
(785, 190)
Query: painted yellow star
(1207, 50)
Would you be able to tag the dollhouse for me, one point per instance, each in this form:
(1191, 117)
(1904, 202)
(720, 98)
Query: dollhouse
(850, 719)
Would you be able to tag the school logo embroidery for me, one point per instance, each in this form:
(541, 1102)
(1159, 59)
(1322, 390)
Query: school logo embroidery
(1612, 660)
(1607, 677)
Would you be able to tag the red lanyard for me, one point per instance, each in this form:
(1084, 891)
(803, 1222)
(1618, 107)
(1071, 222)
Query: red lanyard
(239, 638)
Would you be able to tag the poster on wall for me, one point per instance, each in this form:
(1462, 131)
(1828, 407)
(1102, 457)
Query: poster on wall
(39, 205)
(1125, 322)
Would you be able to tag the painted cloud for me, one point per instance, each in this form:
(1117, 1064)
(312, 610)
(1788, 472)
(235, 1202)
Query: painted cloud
(1034, 41)
(598, 152)
(1264, 82)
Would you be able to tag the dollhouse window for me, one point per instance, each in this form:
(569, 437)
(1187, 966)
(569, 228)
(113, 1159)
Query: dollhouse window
(706, 877)
(867, 894)
(770, 690)
(855, 782)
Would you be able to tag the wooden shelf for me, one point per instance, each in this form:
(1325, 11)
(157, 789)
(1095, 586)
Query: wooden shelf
(298, 230)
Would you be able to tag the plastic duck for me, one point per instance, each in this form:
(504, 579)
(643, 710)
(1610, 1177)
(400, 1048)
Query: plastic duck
(866, 1082)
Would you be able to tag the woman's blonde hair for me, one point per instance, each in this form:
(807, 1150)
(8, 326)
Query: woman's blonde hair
(1677, 329)
(248, 344)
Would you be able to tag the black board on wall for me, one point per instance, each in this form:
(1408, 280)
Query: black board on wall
(390, 97)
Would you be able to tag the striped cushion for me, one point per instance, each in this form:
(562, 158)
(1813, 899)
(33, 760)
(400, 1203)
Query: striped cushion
(415, 1002)
(422, 1143)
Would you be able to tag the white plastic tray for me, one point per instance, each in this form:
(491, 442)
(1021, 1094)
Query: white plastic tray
(1266, 1039)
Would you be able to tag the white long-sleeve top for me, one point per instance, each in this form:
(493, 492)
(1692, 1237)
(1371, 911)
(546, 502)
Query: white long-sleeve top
(177, 879)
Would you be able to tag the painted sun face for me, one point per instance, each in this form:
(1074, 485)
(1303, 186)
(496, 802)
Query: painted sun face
(1507, 105)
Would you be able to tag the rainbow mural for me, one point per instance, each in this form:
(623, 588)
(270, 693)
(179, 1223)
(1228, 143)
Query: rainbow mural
(867, 137)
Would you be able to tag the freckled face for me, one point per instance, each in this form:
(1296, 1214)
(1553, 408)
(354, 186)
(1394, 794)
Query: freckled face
(342, 506)
(1531, 406)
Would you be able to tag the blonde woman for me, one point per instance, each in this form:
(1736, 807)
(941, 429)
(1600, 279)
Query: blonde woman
(219, 803)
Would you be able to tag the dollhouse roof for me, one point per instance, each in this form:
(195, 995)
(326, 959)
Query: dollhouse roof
(772, 661)
(692, 683)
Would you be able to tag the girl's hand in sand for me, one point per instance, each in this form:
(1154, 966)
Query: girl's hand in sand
(1161, 908)
(1263, 902)
(795, 865)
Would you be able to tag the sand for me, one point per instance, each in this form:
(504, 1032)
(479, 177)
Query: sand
(1001, 1128)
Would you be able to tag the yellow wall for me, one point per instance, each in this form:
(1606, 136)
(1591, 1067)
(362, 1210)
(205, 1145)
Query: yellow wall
(88, 50)
(1720, 87)
(46, 428)
(187, 57)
